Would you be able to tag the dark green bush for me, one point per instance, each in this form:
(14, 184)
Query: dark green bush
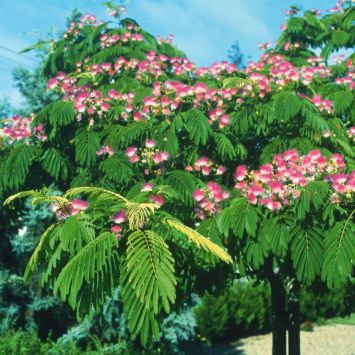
(319, 303)
(243, 310)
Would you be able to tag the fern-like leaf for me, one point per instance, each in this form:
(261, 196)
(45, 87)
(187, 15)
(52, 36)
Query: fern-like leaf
(138, 213)
(306, 252)
(110, 196)
(199, 240)
(62, 113)
(17, 166)
(183, 182)
(197, 126)
(148, 282)
(39, 254)
(54, 163)
(286, 105)
(339, 252)
(75, 233)
(224, 147)
(240, 217)
(88, 262)
(87, 143)
(117, 167)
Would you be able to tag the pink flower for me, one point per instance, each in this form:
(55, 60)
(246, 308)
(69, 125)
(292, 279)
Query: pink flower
(165, 155)
(241, 172)
(338, 160)
(52, 83)
(134, 158)
(105, 106)
(131, 151)
(157, 158)
(198, 195)
(213, 186)
(117, 231)
(159, 200)
(256, 189)
(148, 186)
(165, 101)
(120, 217)
(114, 94)
(252, 199)
(220, 170)
(201, 88)
(276, 187)
(109, 150)
(150, 143)
(206, 170)
(78, 206)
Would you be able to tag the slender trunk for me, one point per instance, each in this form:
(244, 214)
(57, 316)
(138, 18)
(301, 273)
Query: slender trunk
(279, 322)
(294, 339)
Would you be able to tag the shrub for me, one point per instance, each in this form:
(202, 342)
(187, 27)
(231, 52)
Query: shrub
(178, 330)
(21, 343)
(28, 343)
(320, 303)
(243, 310)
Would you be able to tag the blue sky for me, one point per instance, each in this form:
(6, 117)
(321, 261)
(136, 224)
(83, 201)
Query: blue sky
(204, 29)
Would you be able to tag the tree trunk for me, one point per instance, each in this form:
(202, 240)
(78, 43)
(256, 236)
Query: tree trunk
(294, 340)
(279, 321)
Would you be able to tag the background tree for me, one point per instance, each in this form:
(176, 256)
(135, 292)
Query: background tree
(236, 56)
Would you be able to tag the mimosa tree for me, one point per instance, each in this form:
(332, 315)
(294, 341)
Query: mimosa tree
(148, 145)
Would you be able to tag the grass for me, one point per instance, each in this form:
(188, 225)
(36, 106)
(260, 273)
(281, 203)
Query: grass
(339, 320)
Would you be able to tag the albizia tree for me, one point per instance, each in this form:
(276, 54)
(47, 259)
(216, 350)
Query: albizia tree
(163, 159)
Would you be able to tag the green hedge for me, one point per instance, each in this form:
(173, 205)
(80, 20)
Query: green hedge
(242, 310)
(245, 309)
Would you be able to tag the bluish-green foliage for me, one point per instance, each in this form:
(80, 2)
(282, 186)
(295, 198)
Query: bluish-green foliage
(24, 305)
(109, 326)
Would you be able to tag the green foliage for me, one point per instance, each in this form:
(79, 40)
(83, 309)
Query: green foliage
(286, 105)
(318, 302)
(27, 343)
(183, 182)
(149, 282)
(118, 168)
(307, 251)
(17, 166)
(92, 267)
(240, 216)
(87, 143)
(275, 235)
(197, 126)
(339, 251)
(224, 147)
(22, 343)
(55, 164)
(244, 309)
(82, 266)
(62, 113)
